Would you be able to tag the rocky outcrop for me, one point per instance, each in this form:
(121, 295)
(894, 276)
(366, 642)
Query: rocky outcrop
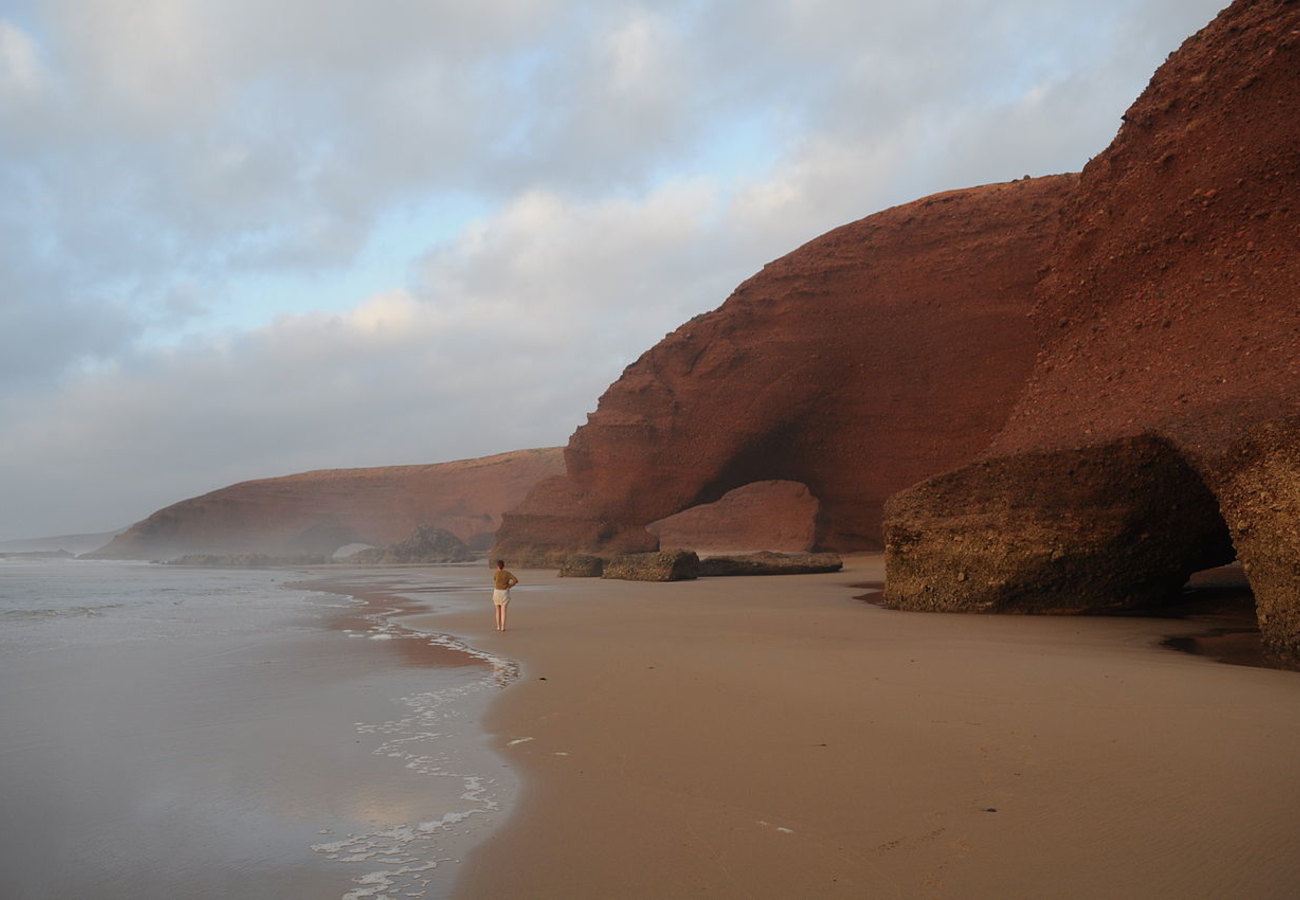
(665, 565)
(1104, 527)
(318, 512)
(1258, 489)
(765, 515)
(582, 565)
(1168, 316)
(769, 563)
(874, 356)
(425, 544)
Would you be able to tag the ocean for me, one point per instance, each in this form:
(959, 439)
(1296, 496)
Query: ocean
(175, 732)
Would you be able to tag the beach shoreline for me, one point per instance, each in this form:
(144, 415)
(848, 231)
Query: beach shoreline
(777, 737)
(191, 732)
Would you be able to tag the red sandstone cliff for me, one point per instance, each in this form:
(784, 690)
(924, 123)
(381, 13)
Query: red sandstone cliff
(317, 512)
(1173, 297)
(882, 352)
(1159, 432)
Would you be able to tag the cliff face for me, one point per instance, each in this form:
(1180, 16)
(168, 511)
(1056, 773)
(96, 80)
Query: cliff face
(1171, 300)
(878, 354)
(1169, 320)
(318, 512)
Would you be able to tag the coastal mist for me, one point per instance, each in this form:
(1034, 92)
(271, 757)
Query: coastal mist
(201, 733)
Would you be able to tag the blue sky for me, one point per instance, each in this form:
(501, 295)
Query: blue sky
(241, 239)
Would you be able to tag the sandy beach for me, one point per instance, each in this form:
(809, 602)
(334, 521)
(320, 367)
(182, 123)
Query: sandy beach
(779, 737)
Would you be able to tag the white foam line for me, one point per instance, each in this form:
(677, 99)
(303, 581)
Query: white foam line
(407, 851)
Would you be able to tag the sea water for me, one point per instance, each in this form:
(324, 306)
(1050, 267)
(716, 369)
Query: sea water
(175, 732)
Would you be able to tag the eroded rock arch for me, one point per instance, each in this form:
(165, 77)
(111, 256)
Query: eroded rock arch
(880, 353)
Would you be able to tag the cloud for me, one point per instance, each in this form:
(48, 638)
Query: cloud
(564, 184)
(502, 347)
(21, 75)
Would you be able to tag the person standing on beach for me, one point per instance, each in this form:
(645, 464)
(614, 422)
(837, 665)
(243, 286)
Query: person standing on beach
(502, 582)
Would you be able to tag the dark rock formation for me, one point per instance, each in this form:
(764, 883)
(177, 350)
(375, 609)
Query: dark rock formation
(765, 515)
(425, 544)
(1169, 310)
(880, 353)
(582, 565)
(665, 565)
(1102, 527)
(769, 563)
(1259, 492)
(318, 512)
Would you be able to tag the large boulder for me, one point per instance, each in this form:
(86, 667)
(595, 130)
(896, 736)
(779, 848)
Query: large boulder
(767, 562)
(880, 353)
(582, 565)
(1102, 527)
(665, 565)
(319, 512)
(1168, 312)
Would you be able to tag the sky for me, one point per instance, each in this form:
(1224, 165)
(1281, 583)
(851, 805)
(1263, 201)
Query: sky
(247, 238)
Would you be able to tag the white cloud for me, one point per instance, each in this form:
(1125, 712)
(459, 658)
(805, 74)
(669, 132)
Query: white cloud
(634, 59)
(21, 74)
(545, 252)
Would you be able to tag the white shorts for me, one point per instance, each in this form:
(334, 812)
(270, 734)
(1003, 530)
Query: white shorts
(500, 597)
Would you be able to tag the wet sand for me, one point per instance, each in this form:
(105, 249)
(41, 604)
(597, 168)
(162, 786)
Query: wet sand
(779, 737)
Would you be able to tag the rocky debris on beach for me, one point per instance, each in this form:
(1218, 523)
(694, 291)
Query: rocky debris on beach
(1167, 313)
(684, 563)
(767, 562)
(425, 544)
(319, 512)
(882, 352)
(582, 565)
(664, 565)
